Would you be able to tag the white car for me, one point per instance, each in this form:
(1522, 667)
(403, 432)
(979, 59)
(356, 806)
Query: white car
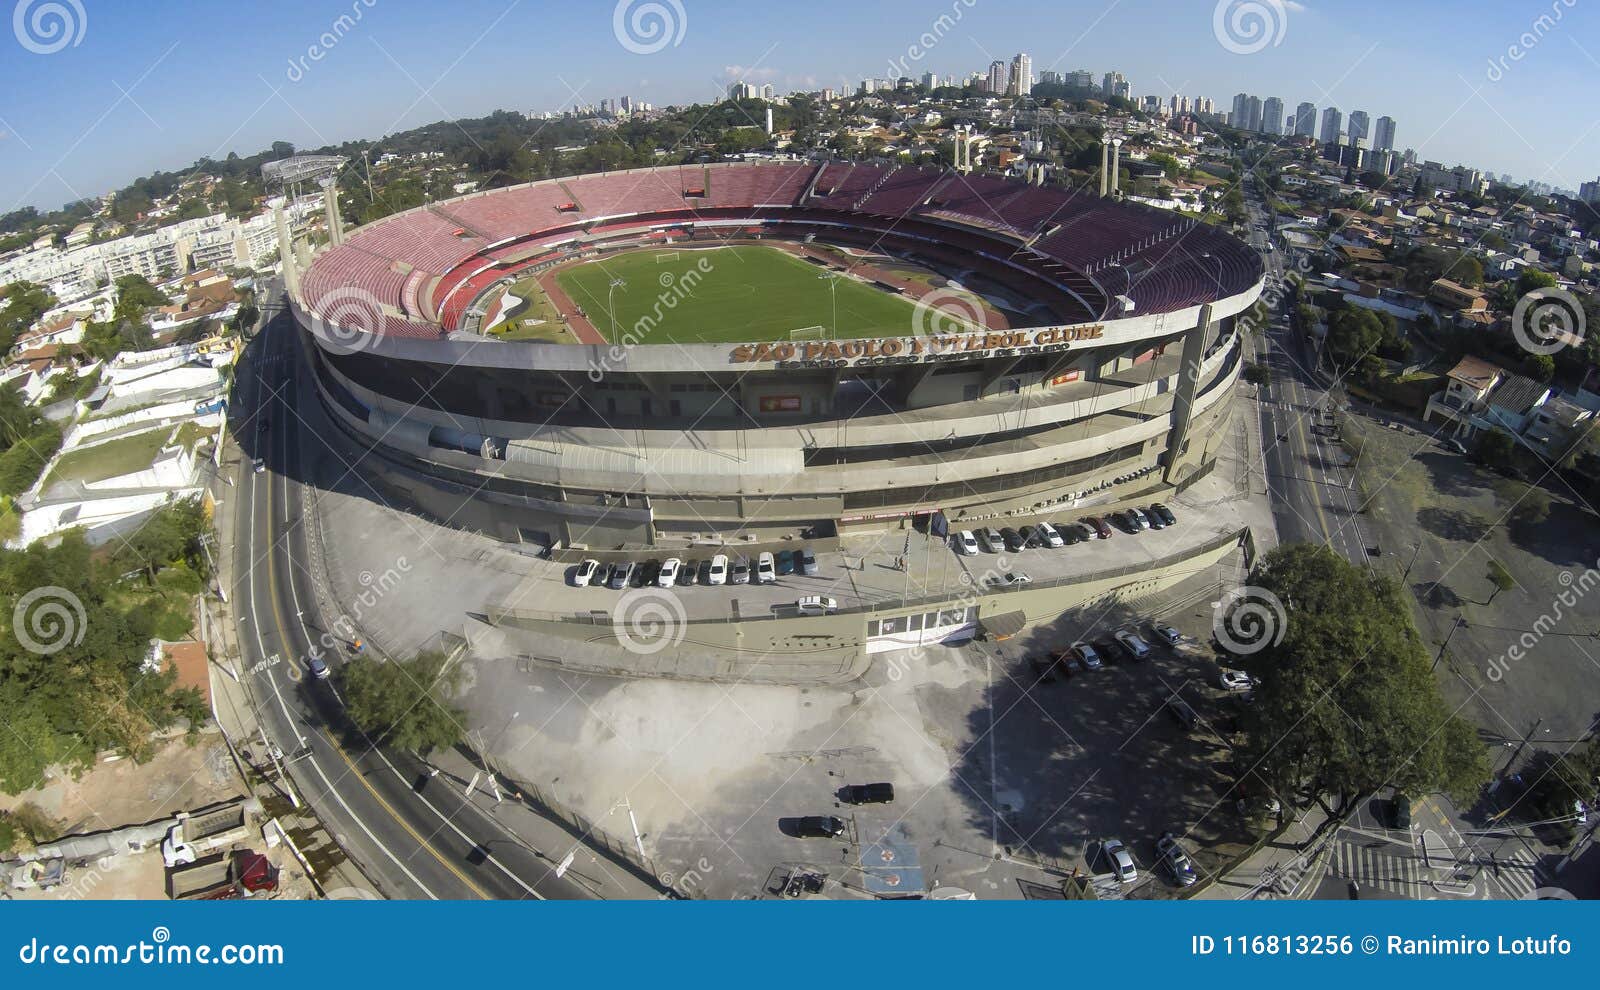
(585, 572)
(766, 570)
(1088, 655)
(966, 543)
(669, 572)
(1235, 680)
(1050, 536)
(816, 605)
(1010, 579)
(1136, 647)
(258, 465)
(1121, 860)
(719, 570)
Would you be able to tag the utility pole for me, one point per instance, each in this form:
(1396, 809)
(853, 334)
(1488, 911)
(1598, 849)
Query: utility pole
(1446, 644)
(1414, 554)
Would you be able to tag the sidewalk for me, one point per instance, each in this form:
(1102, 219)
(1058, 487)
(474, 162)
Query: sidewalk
(552, 842)
(337, 877)
(1284, 868)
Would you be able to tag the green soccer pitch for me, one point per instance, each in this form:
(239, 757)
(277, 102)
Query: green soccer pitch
(728, 295)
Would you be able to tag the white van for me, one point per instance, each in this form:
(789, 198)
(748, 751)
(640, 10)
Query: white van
(966, 543)
(766, 570)
(1048, 534)
(816, 605)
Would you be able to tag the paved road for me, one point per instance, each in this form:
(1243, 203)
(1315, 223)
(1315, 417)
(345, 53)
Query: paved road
(409, 833)
(1313, 501)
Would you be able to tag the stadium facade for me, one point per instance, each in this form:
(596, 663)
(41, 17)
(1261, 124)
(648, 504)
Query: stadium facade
(1109, 376)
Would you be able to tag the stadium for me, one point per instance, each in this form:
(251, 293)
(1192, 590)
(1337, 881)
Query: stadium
(755, 350)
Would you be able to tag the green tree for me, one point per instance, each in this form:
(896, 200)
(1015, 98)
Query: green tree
(1533, 278)
(404, 703)
(1348, 703)
(1500, 578)
(1495, 448)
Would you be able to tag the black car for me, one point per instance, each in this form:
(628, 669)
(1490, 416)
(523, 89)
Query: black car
(1156, 522)
(1014, 540)
(648, 572)
(1165, 514)
(867, 794)
(1070, 533)
(1127, 523)
(1110, 650)
(687, 571)
(1031, 537)
(1180, 711)
(819, 827)
(703, 572)
(1400, 811)
(785, 563)
(636, 579)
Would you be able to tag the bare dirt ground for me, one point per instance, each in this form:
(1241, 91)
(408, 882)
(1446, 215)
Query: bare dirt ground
(184, 773)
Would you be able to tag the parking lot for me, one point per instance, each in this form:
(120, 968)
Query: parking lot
(1439, 520)
(1007, 776)
(892, 565)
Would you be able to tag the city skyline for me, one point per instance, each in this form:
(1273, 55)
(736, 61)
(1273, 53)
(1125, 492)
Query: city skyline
(297, 73)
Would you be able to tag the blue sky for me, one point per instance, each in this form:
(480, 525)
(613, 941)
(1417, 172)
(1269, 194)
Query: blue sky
(156, 85)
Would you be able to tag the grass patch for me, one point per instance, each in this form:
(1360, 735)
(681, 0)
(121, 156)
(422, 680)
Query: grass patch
(110, 459)
(735, 294)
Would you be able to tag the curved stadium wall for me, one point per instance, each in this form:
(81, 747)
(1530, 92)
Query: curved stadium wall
(1120, 385)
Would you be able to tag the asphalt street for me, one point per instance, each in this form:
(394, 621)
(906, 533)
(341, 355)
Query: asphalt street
(409, 832)
(1313, 497)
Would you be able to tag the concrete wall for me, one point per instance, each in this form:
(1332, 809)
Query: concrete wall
(796, 650)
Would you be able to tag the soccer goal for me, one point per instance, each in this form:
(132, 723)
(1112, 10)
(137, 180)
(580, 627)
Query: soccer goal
(809, 333)
(666, 256)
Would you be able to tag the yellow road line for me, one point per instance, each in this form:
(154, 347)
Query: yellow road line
(283, 636)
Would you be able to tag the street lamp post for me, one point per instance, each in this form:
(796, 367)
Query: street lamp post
(611, 306)
(833, 292)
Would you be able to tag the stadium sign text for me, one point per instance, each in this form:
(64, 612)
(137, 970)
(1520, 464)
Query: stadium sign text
(912, 350)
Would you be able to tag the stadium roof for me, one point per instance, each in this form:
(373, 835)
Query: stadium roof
(301, 168)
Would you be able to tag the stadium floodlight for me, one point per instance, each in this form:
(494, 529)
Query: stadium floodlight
(833, 290)
(611, 306)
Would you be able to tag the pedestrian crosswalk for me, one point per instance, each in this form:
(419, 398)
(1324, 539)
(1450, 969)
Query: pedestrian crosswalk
(1517, 875)
(1377, 865)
